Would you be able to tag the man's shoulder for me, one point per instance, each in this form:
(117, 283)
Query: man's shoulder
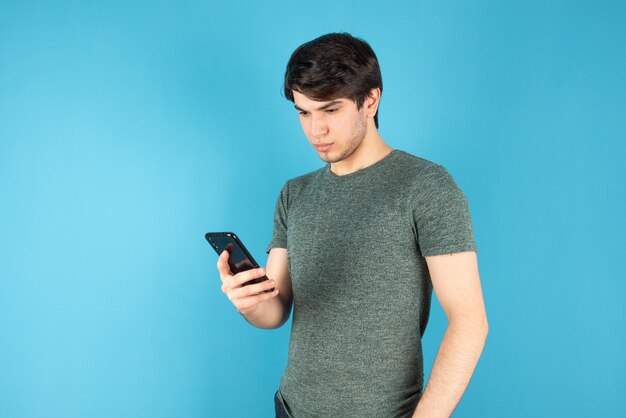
(419, 169)
(426, 177)
(417, 163)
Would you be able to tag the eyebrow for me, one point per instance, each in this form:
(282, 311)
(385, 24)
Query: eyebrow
(326, 106)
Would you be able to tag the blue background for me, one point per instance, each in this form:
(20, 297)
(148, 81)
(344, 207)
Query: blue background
(128, 130)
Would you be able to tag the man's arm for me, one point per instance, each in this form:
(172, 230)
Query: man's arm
(456, 283)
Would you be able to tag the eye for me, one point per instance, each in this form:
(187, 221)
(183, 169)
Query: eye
(331, 110)
(303, 113)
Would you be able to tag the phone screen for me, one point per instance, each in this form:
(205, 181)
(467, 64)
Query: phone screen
(239, 259)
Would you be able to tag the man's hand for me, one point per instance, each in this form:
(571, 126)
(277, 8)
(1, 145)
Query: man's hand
(246, 298)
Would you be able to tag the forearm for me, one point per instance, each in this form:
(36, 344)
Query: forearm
(454, 365)
(269, 314)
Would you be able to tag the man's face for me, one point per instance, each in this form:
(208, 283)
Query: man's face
(336, 122)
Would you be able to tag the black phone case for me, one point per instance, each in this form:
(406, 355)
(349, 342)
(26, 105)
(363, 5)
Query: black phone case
(239, 258)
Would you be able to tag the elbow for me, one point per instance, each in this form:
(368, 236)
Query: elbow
(484, 329)
(476, 324)
(485, 325)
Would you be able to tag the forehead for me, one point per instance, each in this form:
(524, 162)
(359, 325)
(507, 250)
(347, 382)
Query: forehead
(305, 102)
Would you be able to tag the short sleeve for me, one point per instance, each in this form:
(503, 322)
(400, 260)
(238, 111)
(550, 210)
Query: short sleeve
(441, 215)
(279, 233)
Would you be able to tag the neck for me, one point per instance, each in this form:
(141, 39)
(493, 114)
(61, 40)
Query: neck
(371, 150)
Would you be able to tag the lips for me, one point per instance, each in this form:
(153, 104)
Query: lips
(323, 147)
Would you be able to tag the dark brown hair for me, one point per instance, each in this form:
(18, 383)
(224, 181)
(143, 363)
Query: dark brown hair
(333, 66)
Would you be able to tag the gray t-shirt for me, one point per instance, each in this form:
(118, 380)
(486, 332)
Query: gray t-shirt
(361, 285)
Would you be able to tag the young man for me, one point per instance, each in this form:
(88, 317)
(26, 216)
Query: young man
(357, 247)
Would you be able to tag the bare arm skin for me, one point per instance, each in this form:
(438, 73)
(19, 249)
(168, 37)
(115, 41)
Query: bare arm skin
(263, 310)
(456, 283)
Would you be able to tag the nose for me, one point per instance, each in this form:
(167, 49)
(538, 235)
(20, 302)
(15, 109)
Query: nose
(319, 127)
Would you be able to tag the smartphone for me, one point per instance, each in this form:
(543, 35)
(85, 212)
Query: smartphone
(239, 258)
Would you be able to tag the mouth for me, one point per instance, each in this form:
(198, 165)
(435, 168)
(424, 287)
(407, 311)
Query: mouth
(323, 147)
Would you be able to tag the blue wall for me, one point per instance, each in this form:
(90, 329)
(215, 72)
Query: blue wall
(129, 130)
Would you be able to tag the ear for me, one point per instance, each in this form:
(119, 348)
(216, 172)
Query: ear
(372, 101)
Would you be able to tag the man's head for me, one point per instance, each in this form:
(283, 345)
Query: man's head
(335, 65)
(335, 83)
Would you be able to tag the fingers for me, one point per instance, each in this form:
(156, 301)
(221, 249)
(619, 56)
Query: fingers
(232, 282)
(242, 277)
(247, 296)
(222, 265)
(244, 304)
(253, 289)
